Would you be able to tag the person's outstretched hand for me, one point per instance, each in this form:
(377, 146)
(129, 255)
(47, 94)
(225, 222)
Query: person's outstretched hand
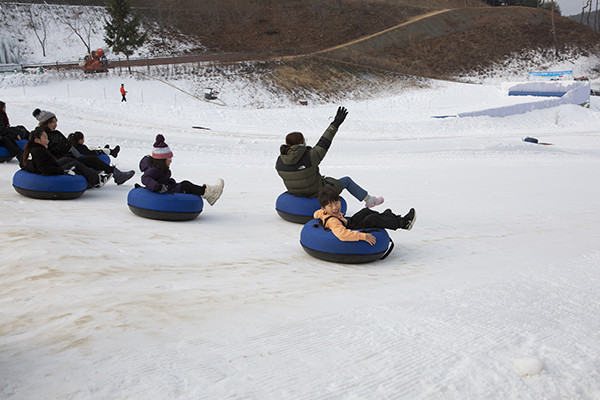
(340, 116)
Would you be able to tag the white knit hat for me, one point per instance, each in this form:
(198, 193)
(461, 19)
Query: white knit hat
(43, 115)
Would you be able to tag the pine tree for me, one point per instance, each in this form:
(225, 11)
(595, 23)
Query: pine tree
(122, 32)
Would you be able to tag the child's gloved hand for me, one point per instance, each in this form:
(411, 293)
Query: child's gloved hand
(70, 171)
(162, 188)
(340, 116)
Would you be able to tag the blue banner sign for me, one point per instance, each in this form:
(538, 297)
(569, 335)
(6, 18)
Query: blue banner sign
(552, 74)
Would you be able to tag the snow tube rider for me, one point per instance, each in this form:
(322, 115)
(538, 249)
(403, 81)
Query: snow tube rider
(37, 159)
(77, 140)
(298, 166)
(358, 239)
(157, 175)
(60, 147)
(345, 228)
(9, 135)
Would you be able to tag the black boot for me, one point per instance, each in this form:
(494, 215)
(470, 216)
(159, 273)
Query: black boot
(408, 220)
(121, 177)
(115, 152)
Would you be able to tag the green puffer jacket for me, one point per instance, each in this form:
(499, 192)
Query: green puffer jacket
(299, 168)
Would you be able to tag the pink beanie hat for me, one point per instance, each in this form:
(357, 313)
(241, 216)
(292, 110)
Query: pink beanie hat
(161, 149)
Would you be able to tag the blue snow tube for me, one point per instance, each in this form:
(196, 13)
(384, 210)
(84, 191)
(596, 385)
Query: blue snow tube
(299, 209)
(321, 243)
(4, 153)
(164, 206)
(49, 187)
(104, 158)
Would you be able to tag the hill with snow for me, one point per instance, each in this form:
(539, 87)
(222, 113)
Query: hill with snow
(446, 40)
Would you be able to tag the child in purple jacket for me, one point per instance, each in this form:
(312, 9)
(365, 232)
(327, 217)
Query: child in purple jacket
(157, 175)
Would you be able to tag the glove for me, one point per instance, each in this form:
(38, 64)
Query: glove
(340, 116)
(70, 171)
(162, 188)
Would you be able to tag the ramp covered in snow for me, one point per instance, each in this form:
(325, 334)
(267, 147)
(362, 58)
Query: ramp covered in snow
(556, 92)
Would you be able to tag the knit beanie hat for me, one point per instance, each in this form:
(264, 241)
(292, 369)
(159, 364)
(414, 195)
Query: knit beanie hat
(161, 149)
(43, 115)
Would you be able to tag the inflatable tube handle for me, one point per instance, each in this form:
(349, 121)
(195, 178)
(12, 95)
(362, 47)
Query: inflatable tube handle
(389, 250)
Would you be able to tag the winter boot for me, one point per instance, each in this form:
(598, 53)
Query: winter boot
(372, 201)
(115, 152)
(102, 179)
(408, 220)
(121, 177)
(212, 193)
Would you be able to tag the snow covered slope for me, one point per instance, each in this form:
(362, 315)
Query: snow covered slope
(493, 294)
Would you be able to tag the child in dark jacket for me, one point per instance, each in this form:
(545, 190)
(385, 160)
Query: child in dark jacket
(344, 228)
(77, 140)
(10, 134)
(18, 132)
(60, 147)
(38, 160)
(157, 175)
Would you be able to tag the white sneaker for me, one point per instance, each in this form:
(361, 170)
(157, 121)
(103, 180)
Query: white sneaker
(102, 179)
(212, 193)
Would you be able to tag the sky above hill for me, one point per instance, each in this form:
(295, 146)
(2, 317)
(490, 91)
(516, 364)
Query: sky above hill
(570, 7)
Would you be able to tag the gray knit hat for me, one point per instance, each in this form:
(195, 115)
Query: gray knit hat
(43, 115)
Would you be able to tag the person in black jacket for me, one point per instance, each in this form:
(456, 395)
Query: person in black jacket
(18, 132)
(38, 160)
(77, 140)
(60, 147)
(10, 134)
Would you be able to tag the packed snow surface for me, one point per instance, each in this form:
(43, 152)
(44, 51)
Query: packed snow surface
(492, 294)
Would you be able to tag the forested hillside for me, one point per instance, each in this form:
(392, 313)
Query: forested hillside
(317, 42)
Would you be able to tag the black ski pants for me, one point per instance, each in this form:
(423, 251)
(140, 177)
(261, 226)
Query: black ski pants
(95, 163)
(367, 218)
(90, 174)
(11, 145)
(189, 187)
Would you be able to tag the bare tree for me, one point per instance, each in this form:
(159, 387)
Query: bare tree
(82, 25)
(217, 12)
(171, 12)
(586, 5)
(39, 28)
(596, 24)
(243, 17)
(589, 12)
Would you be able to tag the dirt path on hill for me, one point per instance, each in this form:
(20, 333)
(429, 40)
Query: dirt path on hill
(365, 38)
